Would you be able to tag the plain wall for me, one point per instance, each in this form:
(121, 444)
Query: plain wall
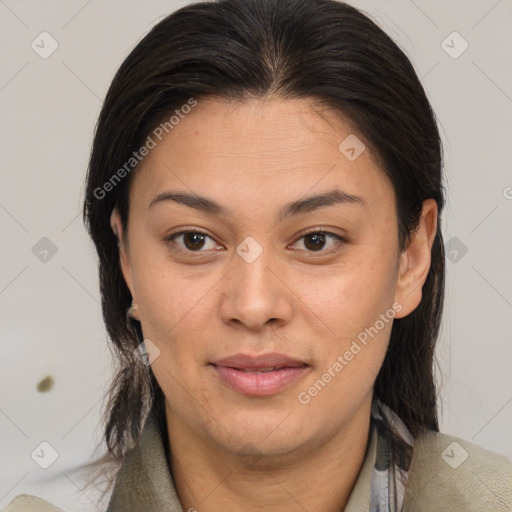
(50, 309)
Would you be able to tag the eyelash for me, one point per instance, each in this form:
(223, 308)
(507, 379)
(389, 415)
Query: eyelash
(338, 238)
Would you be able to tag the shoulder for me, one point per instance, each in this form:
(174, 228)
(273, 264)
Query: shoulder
(450, 474)
(28, 503)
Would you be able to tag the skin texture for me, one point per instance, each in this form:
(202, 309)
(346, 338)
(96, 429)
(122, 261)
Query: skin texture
(237, 452)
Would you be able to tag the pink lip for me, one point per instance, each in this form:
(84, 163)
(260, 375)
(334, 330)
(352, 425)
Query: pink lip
(241, 373)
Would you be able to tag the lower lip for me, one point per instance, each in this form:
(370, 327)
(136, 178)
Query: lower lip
(259, 384)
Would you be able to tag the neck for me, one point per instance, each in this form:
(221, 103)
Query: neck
(319, 477)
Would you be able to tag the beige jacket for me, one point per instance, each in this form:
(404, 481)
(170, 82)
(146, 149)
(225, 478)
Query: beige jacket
(447, 475)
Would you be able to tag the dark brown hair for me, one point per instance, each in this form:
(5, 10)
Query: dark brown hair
(238, 49)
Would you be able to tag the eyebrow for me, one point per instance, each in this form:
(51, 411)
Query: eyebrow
(307, 204)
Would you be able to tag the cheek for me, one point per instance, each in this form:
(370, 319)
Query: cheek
(175, 311)
(357, 308)
(170, 309)
(351, 296)
(168, 293)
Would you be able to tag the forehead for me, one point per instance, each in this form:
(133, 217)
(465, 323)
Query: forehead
(265, 128)
(261, 150)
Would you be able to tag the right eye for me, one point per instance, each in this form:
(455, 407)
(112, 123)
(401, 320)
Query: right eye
(192, 241)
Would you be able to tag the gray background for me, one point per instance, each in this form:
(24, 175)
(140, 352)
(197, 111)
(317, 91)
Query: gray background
(49, 303)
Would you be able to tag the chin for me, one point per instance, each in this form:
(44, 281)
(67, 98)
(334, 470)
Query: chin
(263, 432)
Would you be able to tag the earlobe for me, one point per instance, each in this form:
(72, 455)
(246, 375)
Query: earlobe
(414, 263)
(124, 260)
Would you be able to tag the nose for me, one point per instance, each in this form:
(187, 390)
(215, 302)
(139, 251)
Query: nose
(255, 294)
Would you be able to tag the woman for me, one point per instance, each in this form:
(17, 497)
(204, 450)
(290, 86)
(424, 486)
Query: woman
(265, 196)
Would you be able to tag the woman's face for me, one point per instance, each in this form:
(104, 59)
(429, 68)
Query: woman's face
(254, 185)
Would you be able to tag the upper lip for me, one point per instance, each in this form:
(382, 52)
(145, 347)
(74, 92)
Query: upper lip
(262, 361)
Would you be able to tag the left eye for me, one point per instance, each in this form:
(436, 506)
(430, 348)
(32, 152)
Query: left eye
(316, 241)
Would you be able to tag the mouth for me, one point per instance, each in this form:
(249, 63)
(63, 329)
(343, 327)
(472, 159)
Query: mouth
(262, 375)
(262, 370)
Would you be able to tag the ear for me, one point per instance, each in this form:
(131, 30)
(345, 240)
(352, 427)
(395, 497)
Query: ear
(124, 256)
(414, 263)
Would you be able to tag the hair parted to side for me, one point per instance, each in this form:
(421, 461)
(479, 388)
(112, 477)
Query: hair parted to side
(324, 50)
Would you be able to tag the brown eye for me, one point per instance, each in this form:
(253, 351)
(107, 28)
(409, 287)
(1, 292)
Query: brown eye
(319, 241)
(314, 241)
(192, 241)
